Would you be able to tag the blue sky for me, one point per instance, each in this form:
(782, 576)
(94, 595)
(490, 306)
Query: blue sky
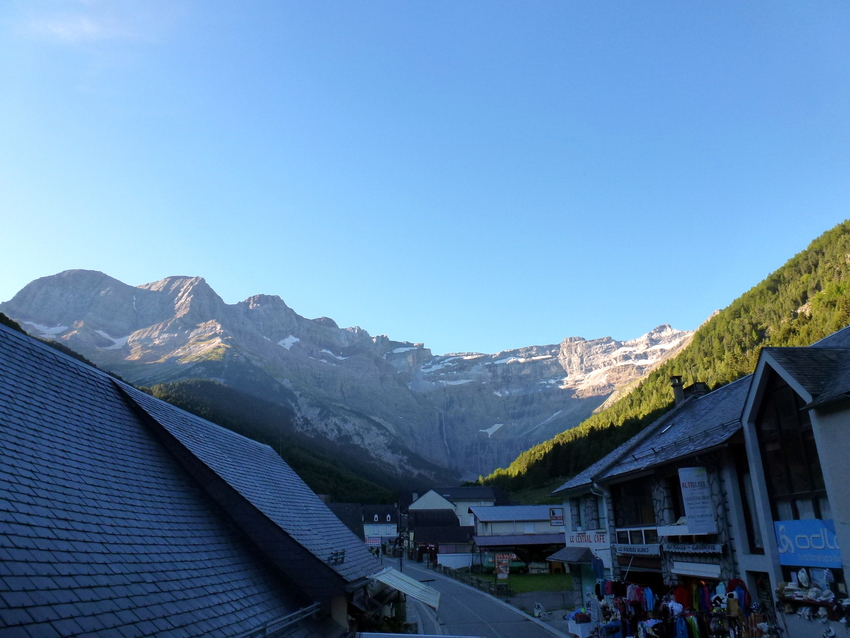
(476, 176)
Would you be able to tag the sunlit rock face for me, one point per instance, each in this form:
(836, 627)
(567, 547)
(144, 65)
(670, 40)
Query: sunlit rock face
(401, 404)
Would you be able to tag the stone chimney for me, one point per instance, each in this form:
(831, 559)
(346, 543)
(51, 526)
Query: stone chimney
(698, 389)
(678, 389)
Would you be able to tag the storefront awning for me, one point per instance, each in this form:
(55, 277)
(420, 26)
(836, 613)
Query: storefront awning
(409, 586)
(574, 555)
(701, 570)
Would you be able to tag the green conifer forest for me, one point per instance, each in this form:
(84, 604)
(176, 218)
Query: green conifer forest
(803, 301)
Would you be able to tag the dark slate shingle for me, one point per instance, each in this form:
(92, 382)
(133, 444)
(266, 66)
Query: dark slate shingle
(99, 524)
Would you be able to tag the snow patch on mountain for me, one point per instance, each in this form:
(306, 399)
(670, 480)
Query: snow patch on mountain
(290, 341)
(47, 331)
(492, 429)
(117, 343)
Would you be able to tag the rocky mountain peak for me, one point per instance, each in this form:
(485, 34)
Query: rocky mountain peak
(188, 294)
(395, 400)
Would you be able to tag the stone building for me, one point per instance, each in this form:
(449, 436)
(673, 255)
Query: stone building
(746, 482)
(667, 501)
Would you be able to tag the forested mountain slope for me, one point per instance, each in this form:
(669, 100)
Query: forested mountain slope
(315, 460)
(803, 301)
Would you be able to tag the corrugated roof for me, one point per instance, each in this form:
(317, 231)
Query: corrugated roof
(471, 493)
(507, 513)
(410, 586)
(437, 535)
(510, 540)
(101, 529)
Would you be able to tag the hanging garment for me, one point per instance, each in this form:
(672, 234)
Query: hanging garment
(648, 599)
(598, 567)
(681, 628)
(682, 595)
(705, 598)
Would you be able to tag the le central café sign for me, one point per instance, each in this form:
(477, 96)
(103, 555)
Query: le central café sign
(587, 538)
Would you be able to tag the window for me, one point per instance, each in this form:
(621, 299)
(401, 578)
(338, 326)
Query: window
(576, 519)
(633, 503)
(791, 463)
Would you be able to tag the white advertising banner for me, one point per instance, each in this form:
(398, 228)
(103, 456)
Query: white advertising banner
(696, 497)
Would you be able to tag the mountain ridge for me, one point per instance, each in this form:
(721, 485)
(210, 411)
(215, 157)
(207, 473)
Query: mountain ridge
(466, 412)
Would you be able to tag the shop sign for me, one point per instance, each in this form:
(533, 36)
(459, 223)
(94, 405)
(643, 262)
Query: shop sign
(809, 543)
(502, 565)
(373, 541)
(697, 499)
(639, 550)
(693, 548)
(556, 516)
(585, 538)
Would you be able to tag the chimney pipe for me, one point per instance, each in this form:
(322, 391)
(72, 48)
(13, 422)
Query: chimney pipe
(678, 389)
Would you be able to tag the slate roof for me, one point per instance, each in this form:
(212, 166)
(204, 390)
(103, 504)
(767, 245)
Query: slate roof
(508, 513)
(703, 423)
(813, 368)
(264, 479)
(104, 532)
(698, 424)
(838, 339)
(351, 516)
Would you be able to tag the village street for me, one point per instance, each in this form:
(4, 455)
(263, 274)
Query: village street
(465, 611)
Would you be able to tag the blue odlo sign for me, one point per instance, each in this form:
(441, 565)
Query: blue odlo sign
(809, 543)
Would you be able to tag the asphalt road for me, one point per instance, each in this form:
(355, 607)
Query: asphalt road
(465, 611)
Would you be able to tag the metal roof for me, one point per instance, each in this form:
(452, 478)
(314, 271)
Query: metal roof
(410, 586)
(510, 540)
(508, 513)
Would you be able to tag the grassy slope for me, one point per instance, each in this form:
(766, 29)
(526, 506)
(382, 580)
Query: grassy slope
(803, 301)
